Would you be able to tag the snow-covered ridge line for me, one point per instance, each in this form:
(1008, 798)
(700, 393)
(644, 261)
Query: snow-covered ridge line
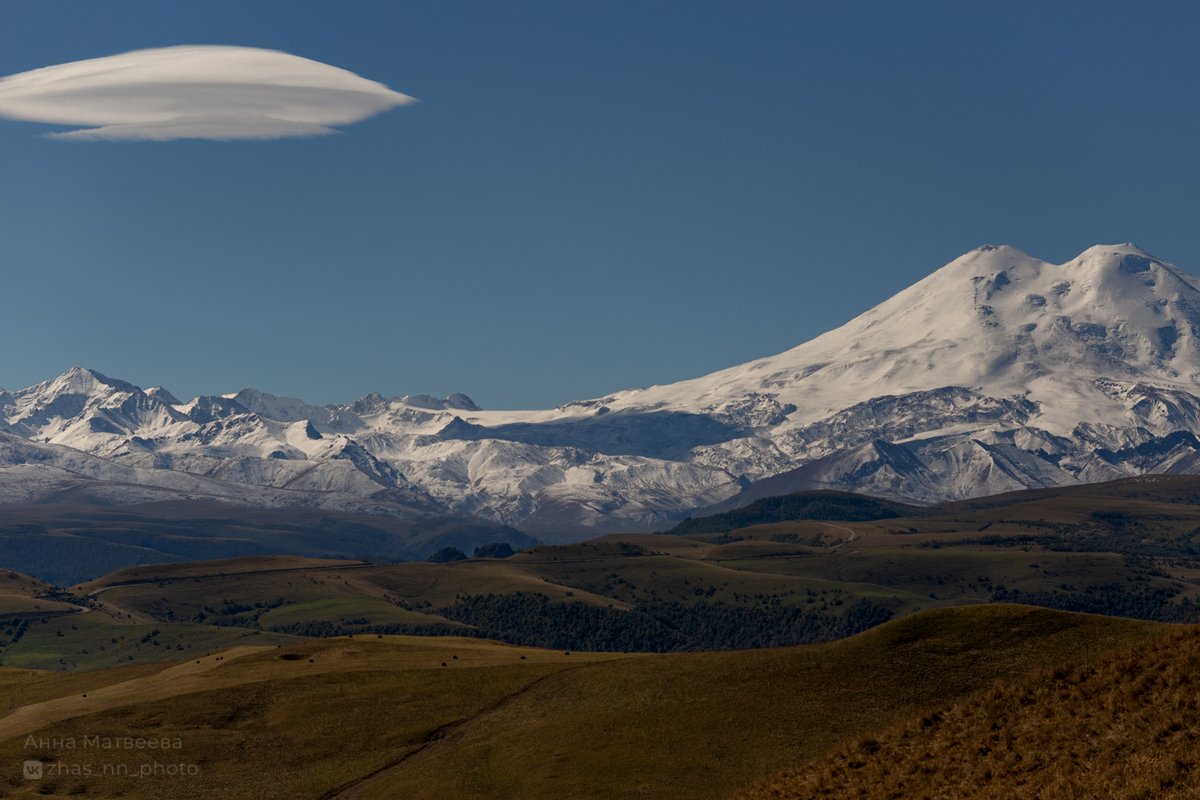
(998, 371)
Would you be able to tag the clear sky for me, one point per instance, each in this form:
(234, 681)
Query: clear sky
(588, 196)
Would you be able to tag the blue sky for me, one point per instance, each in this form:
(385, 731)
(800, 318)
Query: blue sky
(589, 196)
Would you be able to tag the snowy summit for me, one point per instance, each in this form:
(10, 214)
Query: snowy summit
(998, 371)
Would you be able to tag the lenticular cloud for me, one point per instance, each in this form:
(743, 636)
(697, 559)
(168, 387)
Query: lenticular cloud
(194, 92)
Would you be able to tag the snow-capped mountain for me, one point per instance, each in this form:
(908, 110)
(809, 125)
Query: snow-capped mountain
(997, 372)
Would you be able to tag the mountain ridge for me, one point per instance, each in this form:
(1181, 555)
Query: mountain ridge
(996, 372)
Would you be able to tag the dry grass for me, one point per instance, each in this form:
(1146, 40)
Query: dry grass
(23, 596)
(701, 725)
(425, 717)
(1124, 726)
(290, 722)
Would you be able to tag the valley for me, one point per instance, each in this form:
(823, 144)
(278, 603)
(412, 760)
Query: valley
(752, 578)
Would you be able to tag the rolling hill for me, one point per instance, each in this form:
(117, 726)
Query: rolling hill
(381, 717)
(1125, 549)
(1120, 725)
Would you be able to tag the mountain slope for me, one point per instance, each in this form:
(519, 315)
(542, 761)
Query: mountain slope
(995, 373)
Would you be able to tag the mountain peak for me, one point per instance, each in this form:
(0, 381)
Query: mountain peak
(996, 320)
(456, 400)
(978, 276)
(278, 407)
(1001, 249)
(162, 395)
(992, 258)
(84, 373)
(82, 380)
(1127, 258)
(982, 262)
(369, 404)
(1122, 249)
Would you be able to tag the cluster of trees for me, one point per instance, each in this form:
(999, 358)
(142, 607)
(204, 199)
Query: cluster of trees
(494, 550)
(13, 629)
(533, 619)
(789, 537)
(1105, 532)
(234, 614)
(1155, 603)
(448, 554)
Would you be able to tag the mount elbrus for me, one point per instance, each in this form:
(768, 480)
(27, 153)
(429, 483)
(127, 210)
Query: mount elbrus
(997, 372)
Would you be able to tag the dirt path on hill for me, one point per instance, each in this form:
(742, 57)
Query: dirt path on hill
(358, 788)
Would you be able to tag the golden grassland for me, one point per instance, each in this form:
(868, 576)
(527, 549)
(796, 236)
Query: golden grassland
(386, 717)
(1122, 726)
(286, 722)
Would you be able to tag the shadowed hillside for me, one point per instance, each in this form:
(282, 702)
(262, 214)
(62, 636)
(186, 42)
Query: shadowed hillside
(66, 544)
(835, 506)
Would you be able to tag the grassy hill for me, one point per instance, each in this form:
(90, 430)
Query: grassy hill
(97, 640)
(1127, 548)
(607, 595)
(22, 597)
(1121, 725)
(443, 717)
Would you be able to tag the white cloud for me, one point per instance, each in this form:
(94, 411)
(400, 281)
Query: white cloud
(194, 92)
